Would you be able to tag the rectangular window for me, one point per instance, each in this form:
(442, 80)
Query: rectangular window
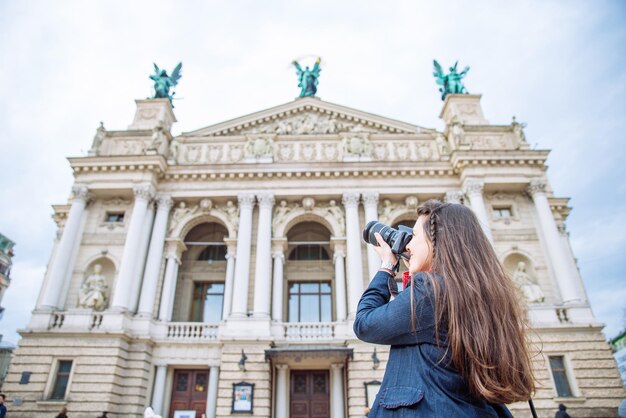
(61, 379)
(557, 365)
(310, 302)
(208, 301)
(503, 212)
(114, 217)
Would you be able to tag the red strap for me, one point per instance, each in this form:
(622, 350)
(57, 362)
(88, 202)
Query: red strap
(406, 277)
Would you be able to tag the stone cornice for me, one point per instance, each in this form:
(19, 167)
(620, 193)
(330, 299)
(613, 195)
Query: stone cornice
(151, 163)
(486, 158)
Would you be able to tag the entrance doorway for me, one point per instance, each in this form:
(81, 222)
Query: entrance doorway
(189, 391)
(310, 394)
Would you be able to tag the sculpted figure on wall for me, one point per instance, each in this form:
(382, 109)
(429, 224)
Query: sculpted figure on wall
(442, 144)
(457, 133)
(337, 213)
(93, 292)
(179, 213)
(530, 289)
(174, 146)
(97, 140)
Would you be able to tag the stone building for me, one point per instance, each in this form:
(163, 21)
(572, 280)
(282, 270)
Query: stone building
(6, 262)
(220, 270)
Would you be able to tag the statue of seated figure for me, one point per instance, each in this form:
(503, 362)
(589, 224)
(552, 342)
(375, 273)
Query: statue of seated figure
(93, 291)
(530, 290)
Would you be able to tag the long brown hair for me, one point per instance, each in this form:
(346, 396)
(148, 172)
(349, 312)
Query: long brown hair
(485, 320)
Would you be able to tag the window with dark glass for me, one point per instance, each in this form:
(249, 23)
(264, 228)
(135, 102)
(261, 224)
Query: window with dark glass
(213, 253)
(61, 379)
(502, 212)
(557, 365)
(208, 299)
(309, 252)
(310, 302)
(114, 217)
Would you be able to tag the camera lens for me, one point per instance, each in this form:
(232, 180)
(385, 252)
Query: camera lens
(396, 239)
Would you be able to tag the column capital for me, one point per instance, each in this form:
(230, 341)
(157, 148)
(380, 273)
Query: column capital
(474, 186)
(370, 198)
(339, 253)
(175, 249)
(536, 186)
(350, 199)
(266, 200)
(282, 367)
(337, 366)
(453, 196)
(164, 202)
(143, 191)
(81, 192)
(246, 200)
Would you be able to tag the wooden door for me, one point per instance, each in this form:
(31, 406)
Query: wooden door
(189, 391)
(310, 394)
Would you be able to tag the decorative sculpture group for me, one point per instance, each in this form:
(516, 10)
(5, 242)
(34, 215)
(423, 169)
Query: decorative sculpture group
(530, 290)
(308, 78)
(93, 292)
(451, 83)
(163, 82)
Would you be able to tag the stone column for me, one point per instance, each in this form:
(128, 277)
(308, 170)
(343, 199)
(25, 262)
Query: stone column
(211, 398)
(278, 254)
(69, 240)
(474, 191)
(370, 201)
(337, 403)
(263, 265)
(454, 196)
(174, 252)
(158, 393)
(230, 276)
(126, 275)
(556, 251)
(155, 254)
(340, 283)
(242, 262)
(282, 388)
(355, 263)
(146, 232)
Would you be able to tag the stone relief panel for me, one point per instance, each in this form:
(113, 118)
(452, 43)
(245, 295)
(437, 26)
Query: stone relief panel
(349, 147)
(390, 212)
(227, 212)
(332, 211)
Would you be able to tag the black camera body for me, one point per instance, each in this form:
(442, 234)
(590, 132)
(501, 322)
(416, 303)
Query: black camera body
(397, 239)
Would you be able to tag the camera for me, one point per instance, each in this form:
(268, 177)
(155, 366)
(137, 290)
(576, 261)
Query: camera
(397, 239)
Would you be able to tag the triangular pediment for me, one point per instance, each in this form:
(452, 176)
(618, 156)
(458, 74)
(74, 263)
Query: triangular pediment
(306, 116)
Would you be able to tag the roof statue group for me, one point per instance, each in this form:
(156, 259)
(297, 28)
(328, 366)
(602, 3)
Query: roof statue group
(308, 80)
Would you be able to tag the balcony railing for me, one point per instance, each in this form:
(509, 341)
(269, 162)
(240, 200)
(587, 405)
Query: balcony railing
(191, 331)
(305, 331)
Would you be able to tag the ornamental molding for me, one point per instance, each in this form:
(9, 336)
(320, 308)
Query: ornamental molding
(537, 186)
(184, 218)
(392, 212)
(329, 214)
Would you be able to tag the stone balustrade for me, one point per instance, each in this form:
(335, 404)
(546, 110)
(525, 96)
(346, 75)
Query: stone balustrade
(308, 331)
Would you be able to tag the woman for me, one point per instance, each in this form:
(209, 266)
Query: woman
(458, 347)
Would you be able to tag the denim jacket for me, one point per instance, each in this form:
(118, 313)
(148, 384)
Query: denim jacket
(417, 382)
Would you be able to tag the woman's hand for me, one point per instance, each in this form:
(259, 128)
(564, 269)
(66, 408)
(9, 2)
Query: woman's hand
(384, 250)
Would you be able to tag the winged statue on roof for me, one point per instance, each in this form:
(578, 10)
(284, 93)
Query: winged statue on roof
(451, 83)
(164, 82)
(308, 78)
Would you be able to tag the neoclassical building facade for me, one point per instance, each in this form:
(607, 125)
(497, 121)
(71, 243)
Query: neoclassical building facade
(219, 270)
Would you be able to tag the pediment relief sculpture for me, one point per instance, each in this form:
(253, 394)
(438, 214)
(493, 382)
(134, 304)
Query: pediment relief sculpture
(309, 123)
(357, 144)
(227, 212)
(258, 147)
(330, 211)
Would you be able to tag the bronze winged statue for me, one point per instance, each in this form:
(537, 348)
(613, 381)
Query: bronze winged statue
(451, 83)
(163, 82)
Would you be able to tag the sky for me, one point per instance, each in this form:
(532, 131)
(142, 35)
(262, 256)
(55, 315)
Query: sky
(558, 66)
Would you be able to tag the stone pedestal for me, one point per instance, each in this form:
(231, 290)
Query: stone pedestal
(464, 109)
(152, 112)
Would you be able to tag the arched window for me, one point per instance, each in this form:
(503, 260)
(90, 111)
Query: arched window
(309, 272)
